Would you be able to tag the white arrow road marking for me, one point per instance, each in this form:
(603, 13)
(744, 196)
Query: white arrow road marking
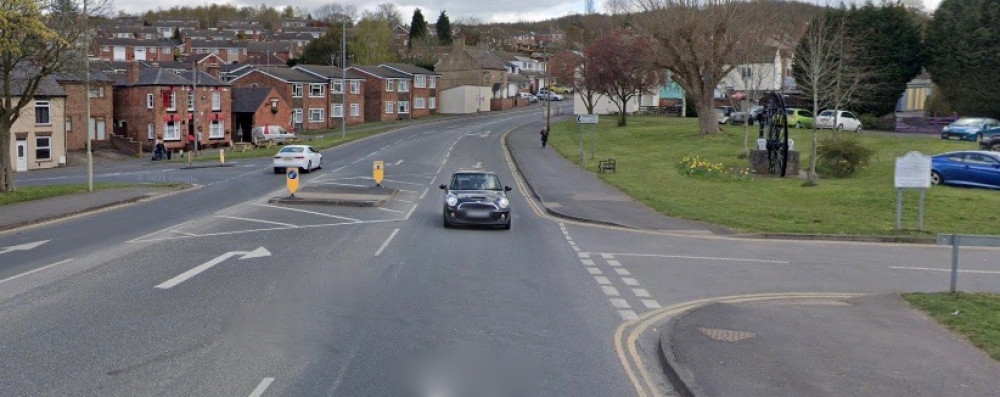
(261, 387)
(257, 253)
(23, 247)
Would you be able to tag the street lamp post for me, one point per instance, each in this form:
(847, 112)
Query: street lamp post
(86, 88)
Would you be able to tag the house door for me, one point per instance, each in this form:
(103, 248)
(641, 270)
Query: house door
(22, 156)
(97, 129)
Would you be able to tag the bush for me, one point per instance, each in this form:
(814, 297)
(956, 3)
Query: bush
(869, 121)
(840, 156)
(937, 106)
(874, 123)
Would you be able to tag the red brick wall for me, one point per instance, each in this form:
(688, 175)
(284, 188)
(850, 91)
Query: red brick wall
(358, 98)
(419, 93)
(130, 107)
(375, 98)
(76, 111)
(285, 91)
(264, 116)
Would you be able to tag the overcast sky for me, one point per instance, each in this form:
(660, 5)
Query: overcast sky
(483, 10)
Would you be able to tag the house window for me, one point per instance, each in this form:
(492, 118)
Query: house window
(355, 87)
(336, 110)
(433, 103)
(149, 101)
(337, 87)
(390, 85)
(433, 82)
(215, 130)
(419, 81)
(150, 131)
(355, 110)
(297, 116)
(152, 49)
(418, 103)
(297, 91)
(96, 92)
(171, 131)
(170, 100)
(42, 112)
(43, 148)
(69, 124)
(315, 90)
(191, 101)
(388, 107)
(315, 115)
(404, 107)
(404, 86)
(216, 101)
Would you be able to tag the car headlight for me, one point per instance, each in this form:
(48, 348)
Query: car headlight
(451, 200)
(503, 202)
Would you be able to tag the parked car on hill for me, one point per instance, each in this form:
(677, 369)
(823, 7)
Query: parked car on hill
(844, 120)
(560, 89)
(723, 113)
(971, 129)
(974, 168)
(547, 95)
(740, 118)
(529, 97)
(799, 118)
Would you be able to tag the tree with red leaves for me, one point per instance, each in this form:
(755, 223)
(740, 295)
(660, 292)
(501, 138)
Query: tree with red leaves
(622, 66)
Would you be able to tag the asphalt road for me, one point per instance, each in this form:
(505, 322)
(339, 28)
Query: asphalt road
(213, 291)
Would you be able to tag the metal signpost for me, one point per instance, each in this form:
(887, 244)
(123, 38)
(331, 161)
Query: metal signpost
(956, 240)
(591, 119)
(913, 171)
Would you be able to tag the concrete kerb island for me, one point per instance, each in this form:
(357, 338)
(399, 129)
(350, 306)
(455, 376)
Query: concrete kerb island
(346, 196)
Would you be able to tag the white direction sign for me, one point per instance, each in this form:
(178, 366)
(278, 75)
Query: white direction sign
(23, 247)
(257, 253)
(587, 119)
(913, 171)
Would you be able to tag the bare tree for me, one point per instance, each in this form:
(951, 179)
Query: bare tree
(623, 67)
(698, 40)
(825, 71)
(390, 13)
(337, 13)
(579, 70)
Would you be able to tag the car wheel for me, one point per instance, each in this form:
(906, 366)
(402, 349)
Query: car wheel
(798, 125)
(858, 130)
(995, 147)
(943, 136)
(936, 178)
(506, 226)
(840, 127)
(445, 222)
(309, 167)
(278, 170)
(320, 165)
(979, 137)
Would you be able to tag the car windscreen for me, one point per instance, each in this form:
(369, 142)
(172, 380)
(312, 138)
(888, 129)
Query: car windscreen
(968, 122)
(291, 149)
(475, 182)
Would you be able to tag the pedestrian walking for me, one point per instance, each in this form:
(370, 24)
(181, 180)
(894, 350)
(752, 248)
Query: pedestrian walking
(545, 137)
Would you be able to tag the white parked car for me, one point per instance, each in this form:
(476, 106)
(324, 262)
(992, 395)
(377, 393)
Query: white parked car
(546, 95)
(275, 133)
(302, 156)
(844, 120)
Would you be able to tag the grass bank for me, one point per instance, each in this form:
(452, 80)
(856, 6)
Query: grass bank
(28, 193)
(974, 316)
(649, 148)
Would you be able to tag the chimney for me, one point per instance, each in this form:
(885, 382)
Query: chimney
(132, 72)
(213, 70)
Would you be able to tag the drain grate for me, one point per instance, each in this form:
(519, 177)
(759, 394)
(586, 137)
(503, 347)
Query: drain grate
(726, 335)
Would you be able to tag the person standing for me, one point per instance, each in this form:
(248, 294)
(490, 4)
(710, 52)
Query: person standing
(545, 137)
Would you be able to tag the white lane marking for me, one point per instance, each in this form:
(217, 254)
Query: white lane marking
(630, 281)
(410, 212)
(309, 212)
(593, 270)
(588, 262)
(711, 258)
(628, 315)
(180, 278)
(572, 244)
(602, 280)
(387, 241)
(402, 201)
(408, 191)
(424, 193)
(610, 291)
(640, 292)
(622, 272)
(389, 210)
(607, 256)
(620, 303)
(166, 229)
(583, 254)
(614, 263)
(256, 220)
(575, 248)
(652, 304)
(261, 387)
(945, 270)
(23, 247)
(35, 270)
(267, 229)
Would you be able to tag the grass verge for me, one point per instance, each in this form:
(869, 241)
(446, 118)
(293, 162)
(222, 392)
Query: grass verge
(974, 316)
(28, 193)
(649, 149)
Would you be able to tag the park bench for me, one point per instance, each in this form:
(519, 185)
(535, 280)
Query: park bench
(606, 165)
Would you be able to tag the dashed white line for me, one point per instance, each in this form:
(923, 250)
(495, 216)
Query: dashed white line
(620, 303)
(622, 272)
(607, 256)
(711, 258)
(389, 210)
(610, 291)
(257, 220)
(614, 263)
(410, 213)
(652, 304)
(630, 281)
(575, 248)
(588, 262)
(640, 292)
(387, 241)
(583, 254)
(602, 280)
(628, 315)
(309, 212)
(424, 193)
(594, 271)
(945, 270)
(261, 387)
(35, 270)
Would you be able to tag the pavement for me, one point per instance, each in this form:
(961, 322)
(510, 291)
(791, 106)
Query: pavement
(871, 345)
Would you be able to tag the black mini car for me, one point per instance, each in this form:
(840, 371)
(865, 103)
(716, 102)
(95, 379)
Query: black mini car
(476, 198)
(991, 144)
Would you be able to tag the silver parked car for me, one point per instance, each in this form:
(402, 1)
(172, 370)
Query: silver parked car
(274, 133)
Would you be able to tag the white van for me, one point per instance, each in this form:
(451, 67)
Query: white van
(274, 133)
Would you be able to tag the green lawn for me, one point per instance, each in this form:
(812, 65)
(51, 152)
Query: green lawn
(649, 148)
(28, 193)
(974, 316)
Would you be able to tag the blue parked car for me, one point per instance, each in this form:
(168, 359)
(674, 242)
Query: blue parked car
(971, 129)
(975, 168)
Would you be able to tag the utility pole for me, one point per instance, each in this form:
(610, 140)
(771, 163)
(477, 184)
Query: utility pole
(86, 87)
(343, 77)
(548, 96)
(194, 115)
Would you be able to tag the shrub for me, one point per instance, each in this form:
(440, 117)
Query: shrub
(840, 156)
(869, 121)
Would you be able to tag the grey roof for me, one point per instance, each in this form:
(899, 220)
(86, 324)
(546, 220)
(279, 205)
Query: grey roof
(203, 78)
(506, 56)
(136, 42)
(249, 99)
(380, 72)
(409, 69)
(291, 36)
(217, 43)
(291, 75)
(46, 87)
(162, 76)
(329, 71)
(514, 78)
(269, 46)
(76, 75)
(486, 59)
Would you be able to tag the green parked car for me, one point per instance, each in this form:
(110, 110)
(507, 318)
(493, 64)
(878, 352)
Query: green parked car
(799, 118)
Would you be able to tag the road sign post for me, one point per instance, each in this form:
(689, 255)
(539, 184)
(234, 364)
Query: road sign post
(292, 179)
(378, 170)
(913, 171)
(591, 119)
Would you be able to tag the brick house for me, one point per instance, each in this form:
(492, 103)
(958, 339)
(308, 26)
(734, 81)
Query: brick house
(115, 49)
(387, 93)
(470, 78)
(353, 106)
(306, 93)
(229, 50)
(155, 103)
(253, 106)
(101, 107)
(423, 92)
(39, 131)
